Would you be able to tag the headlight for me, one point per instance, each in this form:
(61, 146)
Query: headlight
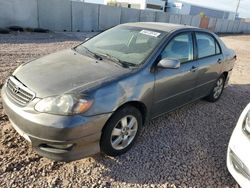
(67, 104)
(246, 124)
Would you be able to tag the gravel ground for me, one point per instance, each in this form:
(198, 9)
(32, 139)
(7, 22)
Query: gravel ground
(186, 148)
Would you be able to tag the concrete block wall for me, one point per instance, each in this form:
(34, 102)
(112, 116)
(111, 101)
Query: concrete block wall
(130, 15)
(195, 21)
(218, 25)
(147, 16)
(224, 26)
(73, 15)
(186, 19)
(77, 16)
(85, 17)
(162, 17)
(248, 27)
(236, 25)
(241, 27)
(212, 24)
(245, 28)
(90, 17)
(54, 14)
(109, 16)
(175, 18)
(16, 12)
(230, 26)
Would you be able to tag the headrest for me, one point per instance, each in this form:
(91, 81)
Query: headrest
(203, 43)
(179, 46)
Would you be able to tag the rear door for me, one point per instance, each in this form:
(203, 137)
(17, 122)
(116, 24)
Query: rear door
(209, 58)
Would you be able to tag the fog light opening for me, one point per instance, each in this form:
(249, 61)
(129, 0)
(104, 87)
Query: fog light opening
(67, 147)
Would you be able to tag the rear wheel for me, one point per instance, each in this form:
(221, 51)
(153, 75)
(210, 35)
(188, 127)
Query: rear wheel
(121, 131)
(217, 90)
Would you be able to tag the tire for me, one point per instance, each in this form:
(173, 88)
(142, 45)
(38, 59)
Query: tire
(117, 138)
(215, 94)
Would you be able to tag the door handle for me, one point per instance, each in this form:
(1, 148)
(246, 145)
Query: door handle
(219, 61)
(193, 69)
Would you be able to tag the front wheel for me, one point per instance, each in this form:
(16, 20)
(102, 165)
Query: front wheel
(121, 131)
(217, 90)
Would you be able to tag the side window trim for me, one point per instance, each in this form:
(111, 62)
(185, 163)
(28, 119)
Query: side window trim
(191, 33)
(217, 44)
(195, 51)
(215, 41)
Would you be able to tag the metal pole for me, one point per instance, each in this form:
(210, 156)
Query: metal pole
(237, 8)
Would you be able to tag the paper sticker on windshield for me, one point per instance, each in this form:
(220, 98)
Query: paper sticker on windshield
(150, 33)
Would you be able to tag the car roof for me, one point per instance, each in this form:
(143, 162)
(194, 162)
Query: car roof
(167, 27)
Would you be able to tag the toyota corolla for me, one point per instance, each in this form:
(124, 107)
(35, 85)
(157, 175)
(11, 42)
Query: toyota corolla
(98, 95)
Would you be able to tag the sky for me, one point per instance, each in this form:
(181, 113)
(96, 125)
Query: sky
(230, 5)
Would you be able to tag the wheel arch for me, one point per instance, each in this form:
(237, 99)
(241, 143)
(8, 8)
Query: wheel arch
(225, 74)
(140, 106)
(137, 104)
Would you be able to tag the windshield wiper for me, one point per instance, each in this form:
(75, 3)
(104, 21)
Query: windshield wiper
(120, 62)
(95, 55)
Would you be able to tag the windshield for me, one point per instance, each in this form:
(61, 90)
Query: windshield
(125, 44)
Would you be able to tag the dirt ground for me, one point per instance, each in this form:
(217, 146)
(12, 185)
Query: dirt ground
(186, 148)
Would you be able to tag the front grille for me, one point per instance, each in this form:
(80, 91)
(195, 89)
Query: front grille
(18, 92)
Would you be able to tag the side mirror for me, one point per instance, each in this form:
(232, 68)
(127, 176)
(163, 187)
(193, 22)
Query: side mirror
(169, 63)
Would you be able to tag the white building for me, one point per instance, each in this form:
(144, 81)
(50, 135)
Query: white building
(156, 5)
(179, 7)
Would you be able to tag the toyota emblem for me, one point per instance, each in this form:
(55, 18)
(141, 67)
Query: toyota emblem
(16, 89)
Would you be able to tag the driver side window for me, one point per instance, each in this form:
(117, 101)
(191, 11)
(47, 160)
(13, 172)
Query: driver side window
(180, 47)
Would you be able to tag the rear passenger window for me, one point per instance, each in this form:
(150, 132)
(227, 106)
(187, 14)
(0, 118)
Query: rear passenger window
(206, 45)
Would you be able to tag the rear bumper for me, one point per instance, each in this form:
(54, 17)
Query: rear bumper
(56, 137)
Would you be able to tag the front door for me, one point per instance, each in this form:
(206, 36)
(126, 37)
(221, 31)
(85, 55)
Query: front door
(175, 87)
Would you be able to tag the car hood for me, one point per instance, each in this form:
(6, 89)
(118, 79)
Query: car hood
(65, 71)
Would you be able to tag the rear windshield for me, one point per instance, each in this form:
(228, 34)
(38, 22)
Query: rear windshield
(130, 44)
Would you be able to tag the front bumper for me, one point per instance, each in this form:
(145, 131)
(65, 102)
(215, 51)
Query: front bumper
(238, 155)
(53, 136)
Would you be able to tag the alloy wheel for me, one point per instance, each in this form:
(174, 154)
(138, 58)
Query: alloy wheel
(124, 132)
(218, 88)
